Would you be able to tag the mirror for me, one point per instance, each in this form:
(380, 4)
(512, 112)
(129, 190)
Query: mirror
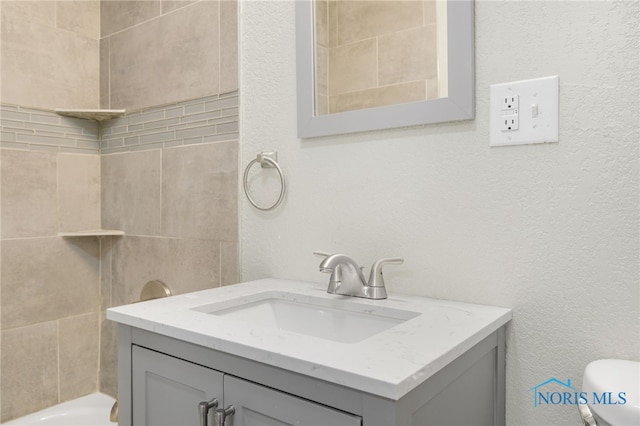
(414, 64)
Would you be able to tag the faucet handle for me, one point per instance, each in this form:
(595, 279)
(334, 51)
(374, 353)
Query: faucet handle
(375, 277)
(321, 254)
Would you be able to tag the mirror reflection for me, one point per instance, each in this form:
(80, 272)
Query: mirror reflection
(371, 53)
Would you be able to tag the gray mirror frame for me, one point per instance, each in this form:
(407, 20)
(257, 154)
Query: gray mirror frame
(459, 105)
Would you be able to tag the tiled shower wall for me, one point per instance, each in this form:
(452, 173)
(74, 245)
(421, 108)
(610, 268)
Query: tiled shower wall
(168, 177)
(170, 181)
(50, 286)
(374, 53)
(155, 52)
(50, 53)
(169, 170)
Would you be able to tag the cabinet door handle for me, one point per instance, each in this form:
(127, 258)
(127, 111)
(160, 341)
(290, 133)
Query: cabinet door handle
(223, 413)
(204, 408)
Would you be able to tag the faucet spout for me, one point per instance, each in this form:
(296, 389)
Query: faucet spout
(347, 278)
(330, 263)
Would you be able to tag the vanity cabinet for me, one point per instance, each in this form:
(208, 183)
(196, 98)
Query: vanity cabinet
(168, 390)
(163, 379)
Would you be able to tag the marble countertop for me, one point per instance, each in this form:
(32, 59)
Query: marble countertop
(390, 363)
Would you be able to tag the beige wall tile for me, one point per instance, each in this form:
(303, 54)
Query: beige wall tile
(28, 195)
(106, 267)
(183, 265)
(322, 23)
(353, 67)
(105, 101)
(332, 24)
(29, 380)
(116, 15)
(407, 56)
(322, 105)
(430, 16)
(41, 12)
(48, 68)
(357, 20)
(229, 263)
(388, 95)
(108, 357)
(108, 377)
(48, 278)
(131, 192)
(400, 49)
(78, 192)
(228, 46)
(80, 16)
(169, 5)
(200, 191)
(433, 90)
(322, 71)
(322, 57)
(175, 57)
(78, 348)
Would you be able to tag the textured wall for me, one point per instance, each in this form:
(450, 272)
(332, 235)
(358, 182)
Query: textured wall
(548, 230)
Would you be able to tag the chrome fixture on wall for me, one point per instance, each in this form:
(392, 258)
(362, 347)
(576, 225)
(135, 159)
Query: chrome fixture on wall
(266, 160)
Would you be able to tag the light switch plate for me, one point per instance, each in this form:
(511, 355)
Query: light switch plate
(536, 113)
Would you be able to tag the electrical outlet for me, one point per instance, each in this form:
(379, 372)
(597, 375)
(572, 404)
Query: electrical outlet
(524, 112)
(510, 117)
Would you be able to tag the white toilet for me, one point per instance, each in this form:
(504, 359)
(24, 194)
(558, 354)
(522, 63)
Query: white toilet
(612, 390)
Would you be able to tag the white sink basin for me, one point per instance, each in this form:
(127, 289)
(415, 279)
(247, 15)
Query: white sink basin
(337, 320)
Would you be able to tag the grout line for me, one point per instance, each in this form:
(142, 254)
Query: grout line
(101, 305)
(57, 194)
(161, 186)
(108, 73)
(219, 44)
(99, 332)
(58, 355)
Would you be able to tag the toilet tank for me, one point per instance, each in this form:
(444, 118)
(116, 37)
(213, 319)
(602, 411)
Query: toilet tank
(612, 388)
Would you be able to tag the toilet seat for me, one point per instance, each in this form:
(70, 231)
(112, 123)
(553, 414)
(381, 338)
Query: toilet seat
(619, 380)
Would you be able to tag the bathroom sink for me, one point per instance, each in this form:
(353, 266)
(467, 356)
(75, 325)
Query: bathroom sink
(336, 320)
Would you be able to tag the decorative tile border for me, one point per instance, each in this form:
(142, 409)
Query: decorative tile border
(39, 130)
(205, 120)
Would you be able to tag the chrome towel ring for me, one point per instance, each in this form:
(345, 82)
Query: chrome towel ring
(266, 160)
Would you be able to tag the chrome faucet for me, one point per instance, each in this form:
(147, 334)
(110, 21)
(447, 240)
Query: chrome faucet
(348, 279)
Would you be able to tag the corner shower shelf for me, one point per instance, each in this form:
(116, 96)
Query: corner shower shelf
(91, 114)
(92, 233)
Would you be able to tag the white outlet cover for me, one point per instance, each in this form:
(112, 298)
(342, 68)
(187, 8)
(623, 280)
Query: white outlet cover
(537, 115)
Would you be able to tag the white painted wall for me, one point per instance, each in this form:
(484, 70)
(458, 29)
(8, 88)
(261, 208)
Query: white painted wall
(548, 230)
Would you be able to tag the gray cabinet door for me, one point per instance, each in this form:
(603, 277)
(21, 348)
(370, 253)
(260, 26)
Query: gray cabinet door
(258, 405)
(167, 390)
